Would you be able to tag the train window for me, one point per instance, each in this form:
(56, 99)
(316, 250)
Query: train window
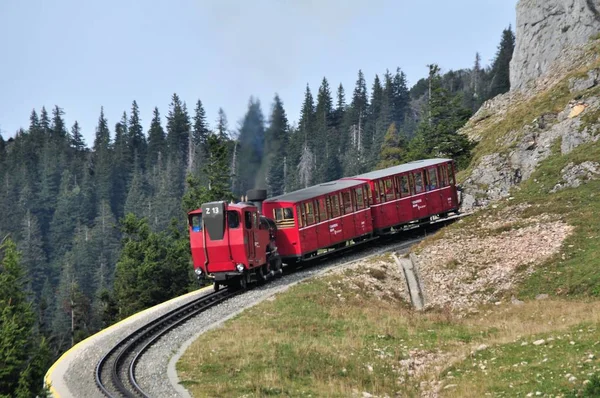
(196, 222)
(389, 189)
(301, 215)
(433, 180)
(335, 206)
(369, 195)
(418, 182)
(404, 187)
(284, 218)
(347, 202)
(443, 176)
(381, 191)
(233, 219)
(323, 213)
(248, 219)
(310, 213)
(360, 201)
(255, 219)
(328, 204)
(450, 175)
(317, 212)
(376, 198)
(397, 187)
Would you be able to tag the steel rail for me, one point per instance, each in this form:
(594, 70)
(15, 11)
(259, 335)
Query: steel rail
(152, 330)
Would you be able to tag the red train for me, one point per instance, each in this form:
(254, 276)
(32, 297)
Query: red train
(238, 243)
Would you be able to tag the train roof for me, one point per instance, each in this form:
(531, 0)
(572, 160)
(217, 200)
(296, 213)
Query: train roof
(316, 190)
(401, 168)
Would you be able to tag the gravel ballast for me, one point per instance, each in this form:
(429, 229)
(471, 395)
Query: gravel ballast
(74, 374)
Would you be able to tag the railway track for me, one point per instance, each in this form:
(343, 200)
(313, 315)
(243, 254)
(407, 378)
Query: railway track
(115, 372)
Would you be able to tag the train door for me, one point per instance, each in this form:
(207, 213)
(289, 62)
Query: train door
(249, 238)
(445, 191)
(434, 199)
(405, 211)
(302, 227)
(361, 224)
(260, 240)
(419, 199)
(335, 221)
(323, 238)
(348, 210)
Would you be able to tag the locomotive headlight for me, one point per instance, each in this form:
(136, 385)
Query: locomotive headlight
(240, 267)
(198, 271)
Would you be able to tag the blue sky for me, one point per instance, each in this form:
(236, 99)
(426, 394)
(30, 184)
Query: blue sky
(81, 55)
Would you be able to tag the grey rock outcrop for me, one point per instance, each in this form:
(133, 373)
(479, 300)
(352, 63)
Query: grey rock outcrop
(494, 176)
(545, 28)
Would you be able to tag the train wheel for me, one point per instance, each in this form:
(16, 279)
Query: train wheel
(244, 282)
(216, 286)
(278, 268)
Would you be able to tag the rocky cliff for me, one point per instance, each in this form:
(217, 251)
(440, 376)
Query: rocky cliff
(545, 28)
(553, 100)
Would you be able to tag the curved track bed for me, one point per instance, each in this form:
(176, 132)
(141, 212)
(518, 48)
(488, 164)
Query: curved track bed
(115, 372)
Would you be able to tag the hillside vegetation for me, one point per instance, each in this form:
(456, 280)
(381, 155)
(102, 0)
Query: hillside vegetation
(532, 329)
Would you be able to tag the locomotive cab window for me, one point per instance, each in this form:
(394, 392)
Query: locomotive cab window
(284, 218)
(233, 219)
(248, 219)
(196, 222)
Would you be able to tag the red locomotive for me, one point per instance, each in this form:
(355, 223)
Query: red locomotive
(237, 243)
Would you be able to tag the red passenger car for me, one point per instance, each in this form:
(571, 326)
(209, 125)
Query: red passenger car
(323, 216)
(411, 192)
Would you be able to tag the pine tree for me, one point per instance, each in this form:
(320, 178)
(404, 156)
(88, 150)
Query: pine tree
(122, 163)
(275, 148)
(393, 150)
(77, 141)
(326, 140)
(201, 131)
(501, 65)
(217, 172)
(374, 131)
(136, 138)
(163, 255)
(178, 129)
(137, 195)
(222, 126)
(34, 258)
(102, 162)
(16, 323)
(58, 129)
(401, 98)
(199, 137)
(437, 133)
(156, 140)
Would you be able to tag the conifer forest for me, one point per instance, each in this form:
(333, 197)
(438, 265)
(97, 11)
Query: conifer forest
(92, 232)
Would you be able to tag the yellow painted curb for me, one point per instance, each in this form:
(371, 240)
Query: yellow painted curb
(110, 328)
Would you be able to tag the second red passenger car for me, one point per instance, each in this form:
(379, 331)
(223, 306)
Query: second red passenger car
(410, 192)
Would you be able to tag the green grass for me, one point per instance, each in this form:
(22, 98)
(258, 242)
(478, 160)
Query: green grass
(314, 340)
(519, 368)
